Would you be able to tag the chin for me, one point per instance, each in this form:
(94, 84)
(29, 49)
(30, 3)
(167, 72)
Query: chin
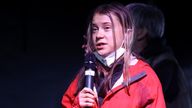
(102, 53)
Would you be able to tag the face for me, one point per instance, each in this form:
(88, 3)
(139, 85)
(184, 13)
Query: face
(103, 34)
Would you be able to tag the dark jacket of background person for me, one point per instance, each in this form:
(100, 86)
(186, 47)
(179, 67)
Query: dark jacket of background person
(151, 46)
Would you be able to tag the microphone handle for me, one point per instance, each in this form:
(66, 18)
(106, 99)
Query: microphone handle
(89, 78)
(89, 81)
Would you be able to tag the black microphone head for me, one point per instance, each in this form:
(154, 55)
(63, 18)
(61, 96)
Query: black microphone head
(89, 61)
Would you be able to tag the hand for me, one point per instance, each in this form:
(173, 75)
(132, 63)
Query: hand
(87, 97)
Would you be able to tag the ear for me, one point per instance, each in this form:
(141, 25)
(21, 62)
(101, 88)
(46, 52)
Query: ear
(140, 34)
(128, 37)
(129, 32)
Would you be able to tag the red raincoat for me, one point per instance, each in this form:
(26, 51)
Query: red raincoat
(144, 91)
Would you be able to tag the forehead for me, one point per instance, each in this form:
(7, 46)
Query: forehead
(103, 18)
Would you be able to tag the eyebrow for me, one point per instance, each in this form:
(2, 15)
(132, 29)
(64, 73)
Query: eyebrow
(103, 23)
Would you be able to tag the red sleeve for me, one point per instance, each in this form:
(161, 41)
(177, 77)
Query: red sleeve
(156, 95)
(159, 101)
(152, 93)
(155, 92)
(69, 100)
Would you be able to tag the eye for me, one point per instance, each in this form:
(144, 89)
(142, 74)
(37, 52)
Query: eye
(107, 27)
(94, 29)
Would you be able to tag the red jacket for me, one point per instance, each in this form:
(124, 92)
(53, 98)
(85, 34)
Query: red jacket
(145, 91)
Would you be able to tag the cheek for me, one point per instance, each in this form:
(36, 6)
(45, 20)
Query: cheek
(93, 39)
(119, 37)
(120, 41)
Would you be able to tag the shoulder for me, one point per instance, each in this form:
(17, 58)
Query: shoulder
(149, 86)
(142, 66)
(163, 58)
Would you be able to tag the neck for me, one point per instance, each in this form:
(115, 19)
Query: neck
(111, 58)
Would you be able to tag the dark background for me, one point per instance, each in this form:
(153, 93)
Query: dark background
(40, 47)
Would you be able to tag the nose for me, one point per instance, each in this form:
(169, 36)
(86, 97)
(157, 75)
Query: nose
(100, 34)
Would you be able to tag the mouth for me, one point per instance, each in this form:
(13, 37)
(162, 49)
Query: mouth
(100, 46)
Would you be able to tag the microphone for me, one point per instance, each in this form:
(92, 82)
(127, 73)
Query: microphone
(89, 70)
